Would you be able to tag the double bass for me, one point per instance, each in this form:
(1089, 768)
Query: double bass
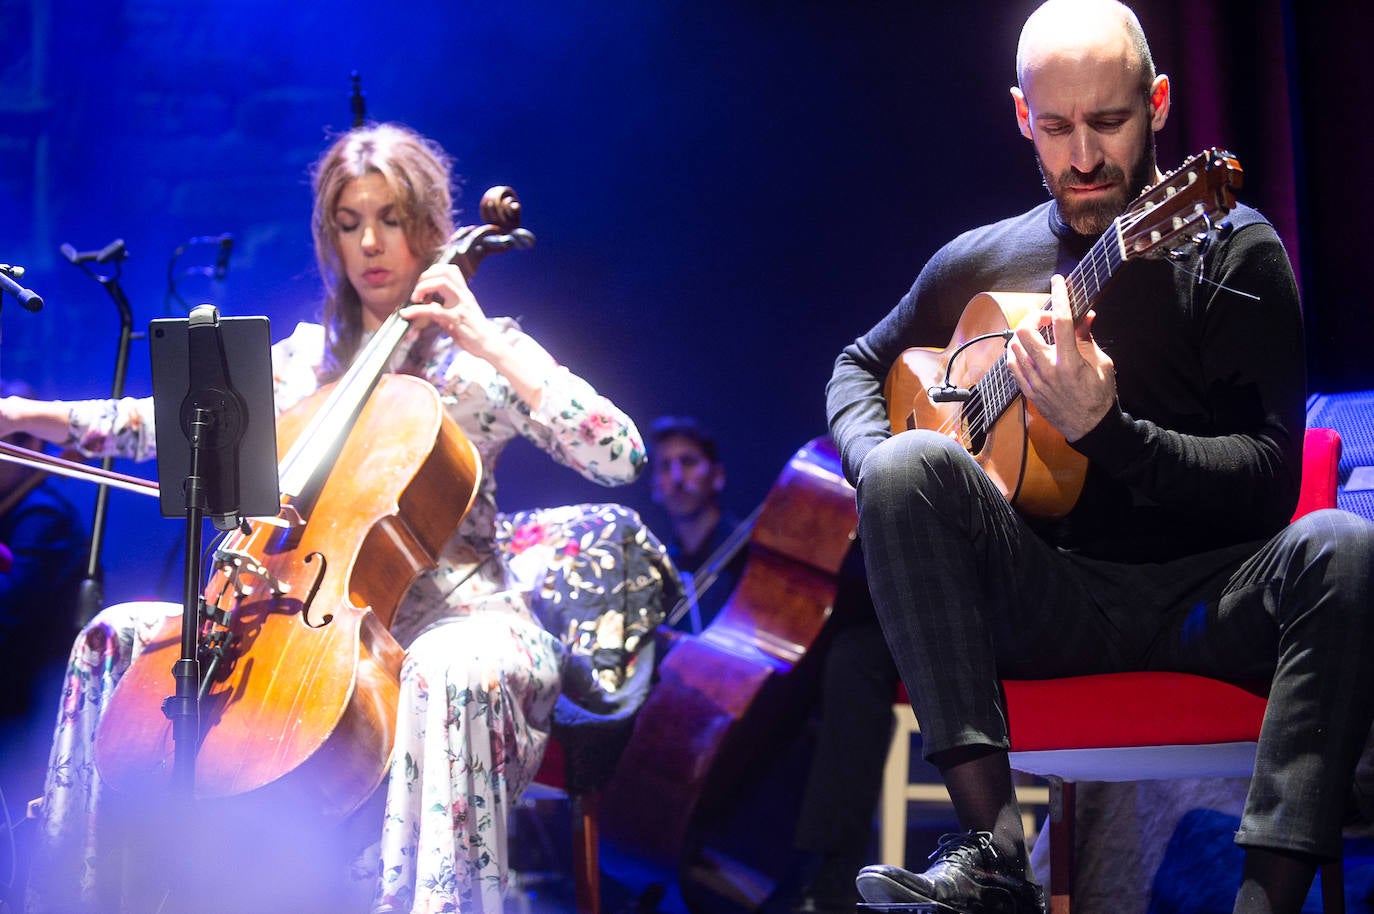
(301, 674)
(725, 699)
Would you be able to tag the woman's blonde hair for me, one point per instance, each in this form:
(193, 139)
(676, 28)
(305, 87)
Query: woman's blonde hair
(419, 174)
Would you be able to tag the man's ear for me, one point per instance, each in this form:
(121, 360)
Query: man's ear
(718, 479)
(1159, 102)
(1018, 99)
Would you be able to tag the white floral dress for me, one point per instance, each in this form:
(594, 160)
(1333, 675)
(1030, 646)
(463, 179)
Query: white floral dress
(480, 678)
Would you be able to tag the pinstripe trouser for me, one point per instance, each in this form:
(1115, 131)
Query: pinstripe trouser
(968, 594)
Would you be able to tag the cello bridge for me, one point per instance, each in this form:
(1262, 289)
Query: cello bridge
(240, 568)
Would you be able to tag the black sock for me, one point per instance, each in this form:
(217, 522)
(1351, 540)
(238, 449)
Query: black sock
(979, 783)
(1275, 881)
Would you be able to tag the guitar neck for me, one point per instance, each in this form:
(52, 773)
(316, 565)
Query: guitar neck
(1087, 280)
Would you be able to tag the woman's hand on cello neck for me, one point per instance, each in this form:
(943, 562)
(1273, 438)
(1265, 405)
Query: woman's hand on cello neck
(443, 297)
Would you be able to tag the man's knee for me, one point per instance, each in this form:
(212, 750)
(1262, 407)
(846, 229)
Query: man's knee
(906, 462)
(1338, 547)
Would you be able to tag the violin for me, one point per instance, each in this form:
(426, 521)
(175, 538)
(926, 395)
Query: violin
(300, 672)
(725, 699)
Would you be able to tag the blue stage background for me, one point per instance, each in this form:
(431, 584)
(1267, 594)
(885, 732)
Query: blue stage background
(724, 194)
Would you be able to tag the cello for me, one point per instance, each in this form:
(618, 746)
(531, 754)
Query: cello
(301, 674)
(725, 697)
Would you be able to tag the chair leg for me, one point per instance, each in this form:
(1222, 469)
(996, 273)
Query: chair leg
(1333, 887)
(893, 807)
(586, 861)
(1061, 846)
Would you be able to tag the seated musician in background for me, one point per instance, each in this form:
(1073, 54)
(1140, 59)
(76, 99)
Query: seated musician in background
(686, 477)
(480, 676)
(1184, 390)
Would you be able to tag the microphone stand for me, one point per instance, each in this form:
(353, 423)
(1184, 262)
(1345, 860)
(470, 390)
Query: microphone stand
(91, 591)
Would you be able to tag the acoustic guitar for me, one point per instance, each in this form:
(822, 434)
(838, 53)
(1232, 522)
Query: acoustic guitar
(966, 389)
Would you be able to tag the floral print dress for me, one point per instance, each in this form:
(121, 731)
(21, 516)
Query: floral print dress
(480, 677)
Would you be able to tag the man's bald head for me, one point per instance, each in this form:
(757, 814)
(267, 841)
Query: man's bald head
(1079, 27)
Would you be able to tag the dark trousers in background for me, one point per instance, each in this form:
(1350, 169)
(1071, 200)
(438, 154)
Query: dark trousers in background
(858, 686)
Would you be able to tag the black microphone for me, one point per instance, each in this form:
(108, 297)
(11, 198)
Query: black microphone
(114, 251)
(949, 394)
(226, 247)
(30, 299)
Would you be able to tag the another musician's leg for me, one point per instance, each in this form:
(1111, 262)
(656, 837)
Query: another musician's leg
(477, 697)
(835, 820)
(966, 594)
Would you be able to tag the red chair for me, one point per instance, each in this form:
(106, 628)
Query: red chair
(585, 831)
(1149, 726)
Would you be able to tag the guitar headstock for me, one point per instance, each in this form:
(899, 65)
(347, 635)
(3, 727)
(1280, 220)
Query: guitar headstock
(1181, 208)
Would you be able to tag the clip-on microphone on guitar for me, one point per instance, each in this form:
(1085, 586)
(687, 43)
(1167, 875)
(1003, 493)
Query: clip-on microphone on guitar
(947, 392)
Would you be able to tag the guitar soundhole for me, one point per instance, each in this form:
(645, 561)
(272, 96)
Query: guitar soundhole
(972, 424)
(974, 438)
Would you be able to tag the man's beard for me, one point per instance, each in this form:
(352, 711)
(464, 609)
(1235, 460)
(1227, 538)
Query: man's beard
(1093, 217)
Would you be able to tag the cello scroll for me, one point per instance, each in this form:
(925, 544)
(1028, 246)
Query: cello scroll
(501, 231)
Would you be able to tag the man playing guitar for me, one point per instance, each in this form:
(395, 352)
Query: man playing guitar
(1165, 365)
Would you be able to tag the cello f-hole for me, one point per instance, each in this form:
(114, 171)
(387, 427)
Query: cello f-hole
(315, 586)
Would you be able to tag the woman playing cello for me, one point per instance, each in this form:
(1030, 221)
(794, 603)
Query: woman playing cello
(480, 676)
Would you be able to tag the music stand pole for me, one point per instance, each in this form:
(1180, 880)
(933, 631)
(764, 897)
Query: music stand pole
(183, 708)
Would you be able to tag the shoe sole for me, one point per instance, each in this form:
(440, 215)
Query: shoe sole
(882, 893)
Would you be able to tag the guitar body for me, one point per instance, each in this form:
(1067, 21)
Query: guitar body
(1026, 458)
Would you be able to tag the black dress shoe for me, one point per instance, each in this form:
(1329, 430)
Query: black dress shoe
(968, 876)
